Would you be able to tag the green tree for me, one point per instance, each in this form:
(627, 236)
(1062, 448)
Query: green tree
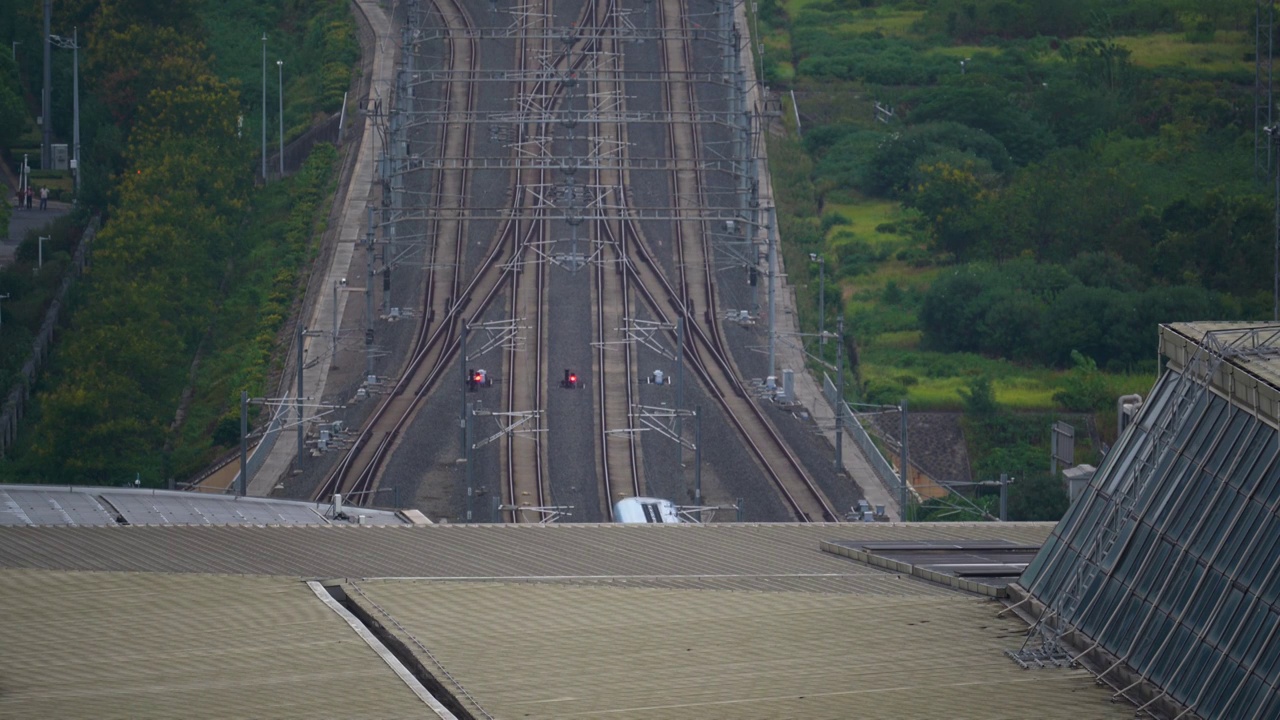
(1037, 496)
(946, 193)
(889, 169)
(986, 108)
(980, 399)
(1083, 389)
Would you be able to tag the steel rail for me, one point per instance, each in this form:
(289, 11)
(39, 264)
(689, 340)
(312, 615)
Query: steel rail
(614, 399)
(356, 474)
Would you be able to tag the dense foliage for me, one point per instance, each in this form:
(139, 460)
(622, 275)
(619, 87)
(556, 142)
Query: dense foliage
(1074, 198)
(194, 270)
(1015, 446)
(154, 287)
(1063, 176)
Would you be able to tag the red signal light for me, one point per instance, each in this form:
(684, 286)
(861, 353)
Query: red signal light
(478, 378)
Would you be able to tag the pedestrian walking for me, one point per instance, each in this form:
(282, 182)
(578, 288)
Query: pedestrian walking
(31, 195)
(44, 198)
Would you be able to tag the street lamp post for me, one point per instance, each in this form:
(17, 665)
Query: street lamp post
(903, 498)
(46, 151)
(1273, 135)
(822, 298)
(40, 251)
(242, 488)
(280, 66)
(839, 393)
(264, 107)
(74, 46)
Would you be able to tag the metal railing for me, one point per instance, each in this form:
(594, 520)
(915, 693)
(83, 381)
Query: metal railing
(16, 401)
(883, 470)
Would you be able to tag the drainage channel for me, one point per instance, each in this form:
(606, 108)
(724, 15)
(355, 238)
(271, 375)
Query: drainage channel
(393, 652)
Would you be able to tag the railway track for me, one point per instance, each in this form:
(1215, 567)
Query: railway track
(435, 340)
(693, 299)
(524, 461)
(618, 458)
(625, 268)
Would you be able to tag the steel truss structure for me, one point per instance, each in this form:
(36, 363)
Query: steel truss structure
(1164, 576)
(739, 222)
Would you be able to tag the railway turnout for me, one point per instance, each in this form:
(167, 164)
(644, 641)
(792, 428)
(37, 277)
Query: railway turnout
(578, 173)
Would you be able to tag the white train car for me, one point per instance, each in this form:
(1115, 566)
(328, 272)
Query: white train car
(645, 510)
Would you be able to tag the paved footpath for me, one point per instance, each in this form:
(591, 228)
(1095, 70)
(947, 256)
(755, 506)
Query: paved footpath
(23, 221)
(352, 228)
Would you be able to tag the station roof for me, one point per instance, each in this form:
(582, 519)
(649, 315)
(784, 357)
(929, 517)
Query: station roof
(439, 551)
(729, 620)
(40, 505)
(709, 649)
(1242, 360)
(150, 645)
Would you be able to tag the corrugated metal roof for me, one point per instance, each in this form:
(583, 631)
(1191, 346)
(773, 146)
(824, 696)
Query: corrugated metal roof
(898, 649)
(117, 645)
(40, 505)
(472, 551)
(37, 506)
(724, 621)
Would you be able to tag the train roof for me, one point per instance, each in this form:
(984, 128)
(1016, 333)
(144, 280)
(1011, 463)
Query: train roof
(646, 510)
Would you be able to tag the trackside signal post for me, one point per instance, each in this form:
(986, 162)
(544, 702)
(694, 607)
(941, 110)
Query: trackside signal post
(510, 423)
(505, 334)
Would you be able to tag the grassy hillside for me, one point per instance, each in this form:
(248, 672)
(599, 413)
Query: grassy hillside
(1055, 181)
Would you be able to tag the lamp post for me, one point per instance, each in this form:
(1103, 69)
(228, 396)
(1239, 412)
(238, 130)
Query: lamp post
(822, 298)
(962, 64)
(839, 393)
(46, 151)
(903, 498)
(280, 67)
(1273, 134)
(242, 488)
(74, 46)
(1273, 131)
(40, 250)
(264, 107)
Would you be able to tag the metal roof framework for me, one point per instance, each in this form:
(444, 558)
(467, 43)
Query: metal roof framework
(1169, 564)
